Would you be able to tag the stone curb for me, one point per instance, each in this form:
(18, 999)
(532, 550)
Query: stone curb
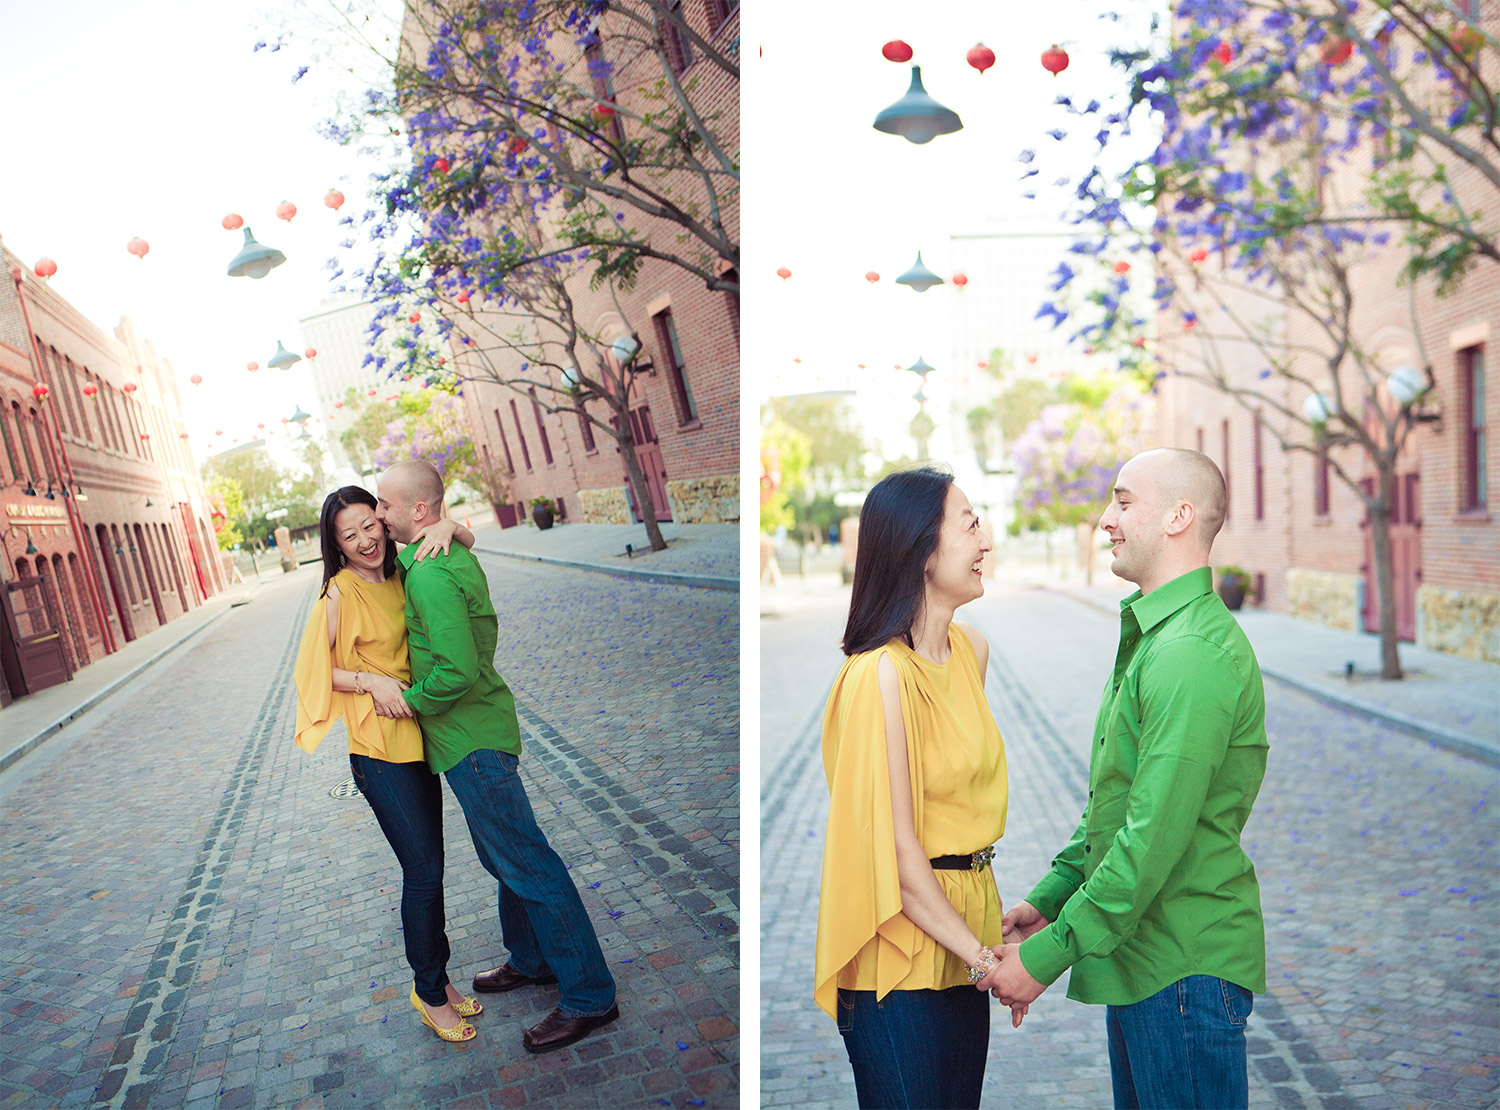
(27, 746)
(663, 577)
(1470, 746)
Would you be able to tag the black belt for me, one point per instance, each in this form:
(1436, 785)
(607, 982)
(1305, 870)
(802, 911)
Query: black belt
(974, 861)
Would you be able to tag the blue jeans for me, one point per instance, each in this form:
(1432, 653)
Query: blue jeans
(545, 925)
(1182, 1047)
(408, 802)
(916, 1048)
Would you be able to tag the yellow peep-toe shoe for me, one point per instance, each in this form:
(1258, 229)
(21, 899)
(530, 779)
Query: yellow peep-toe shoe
(469, 1007)
(463, 1031)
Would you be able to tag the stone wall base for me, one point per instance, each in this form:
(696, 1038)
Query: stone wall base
(1459, 622)
(1324, 597)
(605, 506)
(711, 500)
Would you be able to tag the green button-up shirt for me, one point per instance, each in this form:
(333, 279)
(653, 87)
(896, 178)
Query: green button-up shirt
(460, 700)
(1154, 885)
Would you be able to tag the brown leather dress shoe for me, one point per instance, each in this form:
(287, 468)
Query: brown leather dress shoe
(558, 1030)
(507, 978)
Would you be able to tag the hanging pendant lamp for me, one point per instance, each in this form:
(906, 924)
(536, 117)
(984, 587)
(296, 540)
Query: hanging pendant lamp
(919, 277)
(283, 358)
(255, 260)
(921, 369)
(916, 117)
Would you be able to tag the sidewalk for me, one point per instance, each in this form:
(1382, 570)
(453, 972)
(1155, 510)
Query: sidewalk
(1451, 701)
(702, 555)
(30, 720)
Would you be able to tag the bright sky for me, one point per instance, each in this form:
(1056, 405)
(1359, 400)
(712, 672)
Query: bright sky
(843, 198)
(156, 118)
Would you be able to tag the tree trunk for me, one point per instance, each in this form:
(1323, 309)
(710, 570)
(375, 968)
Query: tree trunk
(638, 483)
(1385, 577)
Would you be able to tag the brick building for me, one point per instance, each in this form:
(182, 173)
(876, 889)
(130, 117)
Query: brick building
(107, 532)
(1300, 531)
(685, 414)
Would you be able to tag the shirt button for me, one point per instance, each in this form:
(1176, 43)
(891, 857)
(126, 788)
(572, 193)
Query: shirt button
(1101, 741)
(1088, 847)
(1117, 687)
(1091, 793)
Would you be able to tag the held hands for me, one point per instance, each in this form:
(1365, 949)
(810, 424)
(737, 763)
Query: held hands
(387, 694)
(437, 536)
(1011, 983)
(1021, 923)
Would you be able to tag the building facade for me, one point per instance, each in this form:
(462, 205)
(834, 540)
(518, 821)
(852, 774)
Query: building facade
(107, 532)
(684, 413)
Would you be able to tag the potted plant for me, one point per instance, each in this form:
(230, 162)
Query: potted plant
(542, 512)
(1234, 586)
(493, 480)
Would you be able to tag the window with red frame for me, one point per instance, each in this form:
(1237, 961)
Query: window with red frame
(1320, 484)
(719, 12)
(1475, 437)
(515, 416)
(1260, 469)
(677, 48)
(510, 463)
(671, 352)
(587, 432)
(541, 428)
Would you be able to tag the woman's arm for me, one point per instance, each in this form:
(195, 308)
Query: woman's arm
(438, 535)
(922, 898)
(385, 690)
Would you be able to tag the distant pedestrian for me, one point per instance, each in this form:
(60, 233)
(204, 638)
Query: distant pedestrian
(1153, 902)
(916, 774)
(353, 664)
(473, 738)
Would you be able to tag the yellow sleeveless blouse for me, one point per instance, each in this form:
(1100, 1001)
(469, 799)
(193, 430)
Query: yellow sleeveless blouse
(371, 636)
(960, 793)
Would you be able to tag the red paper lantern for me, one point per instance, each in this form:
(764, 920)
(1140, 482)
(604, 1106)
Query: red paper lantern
(1122, 267)
(182, 435)
(232, 222)
(896, 51)
(310, 354)
(1139, 341)
(960, 280)
(1197, 254)
(40, 391)
(414, 317)
(219, 431)
(286, 210)
(129, 387)
(871, 276)
(861, 366)
(252, 366)
(145, 435)
(604, 110)
(44, 268)
(89, 390)
(783, 273)
(518, 144)
(284, 420)
(1189, 325)
(1337, 50)
(442, 361)
(982, 364)
(196, 379)
(371, 393)
(258, 426)
(1054, 59)
(442, 166)
(338, 404)
(334, 199)
(463, 297)
(980, 56)
(1031, 359)
(138, 247)
(1224, 53)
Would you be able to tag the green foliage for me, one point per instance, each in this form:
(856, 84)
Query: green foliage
(226, 491)
(792, 450)
(264, 487)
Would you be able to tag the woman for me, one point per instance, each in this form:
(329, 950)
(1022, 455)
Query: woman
(916, 774)
(353, 664)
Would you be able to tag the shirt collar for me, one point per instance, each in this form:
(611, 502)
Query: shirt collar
(1151, 609)
(406, 556)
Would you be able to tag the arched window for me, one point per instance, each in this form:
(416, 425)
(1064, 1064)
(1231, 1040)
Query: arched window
(81, 588)
(20, 422)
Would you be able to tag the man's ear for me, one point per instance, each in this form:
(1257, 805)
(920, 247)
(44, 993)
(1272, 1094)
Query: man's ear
(1180, 519)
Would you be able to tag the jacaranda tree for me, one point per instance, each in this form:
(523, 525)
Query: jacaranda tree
(551, 147)
(1300, 141)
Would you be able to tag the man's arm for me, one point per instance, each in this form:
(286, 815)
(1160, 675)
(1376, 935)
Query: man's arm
(1188, 699)
(436, 595)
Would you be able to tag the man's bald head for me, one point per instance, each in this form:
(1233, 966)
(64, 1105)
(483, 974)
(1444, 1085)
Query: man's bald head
(1193, 477)
(411, 497)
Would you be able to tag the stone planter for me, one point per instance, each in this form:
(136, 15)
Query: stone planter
(543, 517)
(1232, 591)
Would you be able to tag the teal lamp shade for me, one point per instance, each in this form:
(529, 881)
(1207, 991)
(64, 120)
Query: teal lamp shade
(919, 277)
(255, 260)
(916, 117)
(283, 358)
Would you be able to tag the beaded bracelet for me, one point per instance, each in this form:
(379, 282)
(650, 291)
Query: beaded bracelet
(980, 968)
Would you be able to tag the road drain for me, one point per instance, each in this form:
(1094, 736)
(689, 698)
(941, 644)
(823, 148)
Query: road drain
(346, 789)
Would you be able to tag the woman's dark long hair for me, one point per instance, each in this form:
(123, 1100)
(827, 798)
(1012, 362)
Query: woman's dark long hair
(898, 532)
(333, 504)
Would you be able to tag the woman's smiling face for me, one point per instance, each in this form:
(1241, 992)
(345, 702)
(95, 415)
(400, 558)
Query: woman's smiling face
(361, 537)
(953, 570)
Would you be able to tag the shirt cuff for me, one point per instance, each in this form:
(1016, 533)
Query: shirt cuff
(1050, 895)
(1044, 956)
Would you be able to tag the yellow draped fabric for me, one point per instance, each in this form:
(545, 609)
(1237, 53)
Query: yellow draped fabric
(371, 636)
(959, 790)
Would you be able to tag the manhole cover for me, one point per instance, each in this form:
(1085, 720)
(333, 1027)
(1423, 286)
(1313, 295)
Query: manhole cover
(345, 789)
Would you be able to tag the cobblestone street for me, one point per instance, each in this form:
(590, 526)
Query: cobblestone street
(1375, 853)
(198, 915)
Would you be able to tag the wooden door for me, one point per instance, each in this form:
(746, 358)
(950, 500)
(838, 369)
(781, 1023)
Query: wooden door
(1406, 559)
(648, 454)
(33, 637)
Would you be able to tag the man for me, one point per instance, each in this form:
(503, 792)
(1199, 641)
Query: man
(471, 736)
(1153, 903)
